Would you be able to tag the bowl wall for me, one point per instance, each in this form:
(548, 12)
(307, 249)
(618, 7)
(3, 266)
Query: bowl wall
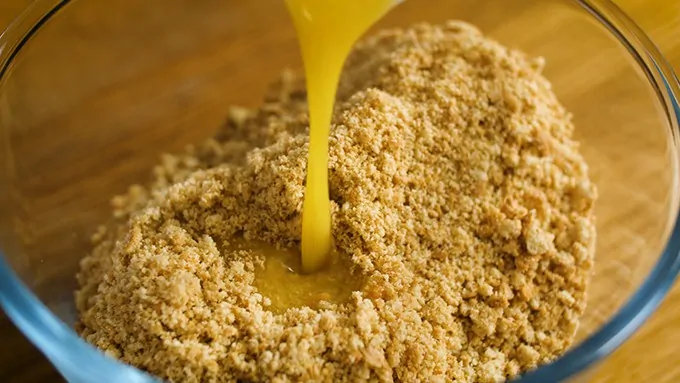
(94, 95)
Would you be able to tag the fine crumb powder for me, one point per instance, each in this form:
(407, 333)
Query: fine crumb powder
(457, 193)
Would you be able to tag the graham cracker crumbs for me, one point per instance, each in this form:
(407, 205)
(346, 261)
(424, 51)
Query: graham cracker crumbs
(458, 194)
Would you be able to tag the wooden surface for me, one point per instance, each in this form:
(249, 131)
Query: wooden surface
(649, 356)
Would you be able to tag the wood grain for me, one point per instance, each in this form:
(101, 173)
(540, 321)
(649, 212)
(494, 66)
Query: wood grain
(649, 356)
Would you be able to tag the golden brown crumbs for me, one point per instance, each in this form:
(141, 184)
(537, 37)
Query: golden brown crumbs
(457, 192)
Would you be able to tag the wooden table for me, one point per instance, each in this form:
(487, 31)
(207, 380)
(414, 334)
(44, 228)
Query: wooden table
(649, 356)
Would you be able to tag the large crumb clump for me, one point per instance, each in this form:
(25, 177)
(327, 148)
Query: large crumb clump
(457, 192)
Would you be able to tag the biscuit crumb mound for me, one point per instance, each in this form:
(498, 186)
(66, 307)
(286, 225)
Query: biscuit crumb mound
(457, 194)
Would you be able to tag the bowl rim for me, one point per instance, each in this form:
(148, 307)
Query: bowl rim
(644, 302)
(84, 361)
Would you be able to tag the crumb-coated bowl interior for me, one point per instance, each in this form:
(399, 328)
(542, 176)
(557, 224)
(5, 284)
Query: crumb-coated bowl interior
(91, 93)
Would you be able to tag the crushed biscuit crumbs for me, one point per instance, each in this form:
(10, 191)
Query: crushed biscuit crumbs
(458, 194)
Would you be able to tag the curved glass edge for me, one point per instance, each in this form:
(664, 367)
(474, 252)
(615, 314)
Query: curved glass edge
(83, 361)
(657, 284)
(52, 336)
(638, 309)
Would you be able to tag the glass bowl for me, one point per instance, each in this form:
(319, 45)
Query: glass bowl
(92, 92)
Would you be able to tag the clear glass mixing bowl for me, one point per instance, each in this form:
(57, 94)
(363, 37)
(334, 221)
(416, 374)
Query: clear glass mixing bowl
(91, 92)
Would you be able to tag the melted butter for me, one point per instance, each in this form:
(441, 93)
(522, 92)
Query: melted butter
(327, 29)
(282, 281)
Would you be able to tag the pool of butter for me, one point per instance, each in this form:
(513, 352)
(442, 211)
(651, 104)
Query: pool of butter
(282, 281)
